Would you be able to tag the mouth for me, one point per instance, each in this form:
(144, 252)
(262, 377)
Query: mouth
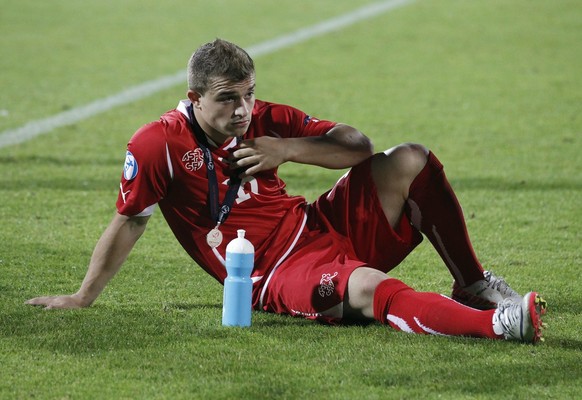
(240, 124)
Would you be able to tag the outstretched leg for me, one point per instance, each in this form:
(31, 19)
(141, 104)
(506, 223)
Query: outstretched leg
(371, 294)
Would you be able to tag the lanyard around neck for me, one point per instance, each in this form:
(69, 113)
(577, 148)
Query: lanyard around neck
(219, 212)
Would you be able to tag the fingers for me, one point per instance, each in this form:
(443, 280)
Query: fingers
(254, 156)
(38, 301)
(243, 153)
(250, 171)
(51, 302)
(245, 162)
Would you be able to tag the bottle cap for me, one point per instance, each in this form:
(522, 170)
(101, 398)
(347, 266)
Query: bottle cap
(240, 244)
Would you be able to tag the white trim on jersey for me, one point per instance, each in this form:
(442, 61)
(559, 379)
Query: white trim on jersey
(282, 258)
(146, 212)
(169, 160)
(183, 107)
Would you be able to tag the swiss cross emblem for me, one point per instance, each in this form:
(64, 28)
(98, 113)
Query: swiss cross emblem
(193, 159)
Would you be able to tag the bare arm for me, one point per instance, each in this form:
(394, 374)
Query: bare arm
(341, 147)
(110, 252)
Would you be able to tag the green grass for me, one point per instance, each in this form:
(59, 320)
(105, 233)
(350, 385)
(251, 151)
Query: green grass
(493, 87)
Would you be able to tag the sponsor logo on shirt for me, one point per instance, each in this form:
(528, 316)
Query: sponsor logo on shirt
(306, 314)
(130, 167)
(123, 194)
(193, 159)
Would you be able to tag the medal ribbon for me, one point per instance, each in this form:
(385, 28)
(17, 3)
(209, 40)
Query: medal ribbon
(219, 212)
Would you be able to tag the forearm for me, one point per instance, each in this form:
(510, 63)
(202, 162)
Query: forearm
(341, 147)
(109, 254)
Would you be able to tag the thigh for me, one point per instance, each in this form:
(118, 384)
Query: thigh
(353, 209)
(312, 282)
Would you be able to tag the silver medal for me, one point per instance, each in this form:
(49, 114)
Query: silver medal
(214, 238)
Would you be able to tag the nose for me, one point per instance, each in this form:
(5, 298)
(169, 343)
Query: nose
(241, 108)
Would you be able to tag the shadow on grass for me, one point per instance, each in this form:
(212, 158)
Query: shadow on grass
(564, 343)
(102, 328)
(189, 306)
(130, 327)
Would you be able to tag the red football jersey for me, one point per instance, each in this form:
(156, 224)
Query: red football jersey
(164, 165)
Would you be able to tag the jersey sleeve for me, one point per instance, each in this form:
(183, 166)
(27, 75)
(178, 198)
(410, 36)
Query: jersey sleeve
(146, 172)
(291, 122)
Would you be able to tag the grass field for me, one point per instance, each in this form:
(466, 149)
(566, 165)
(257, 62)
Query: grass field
(492, 87)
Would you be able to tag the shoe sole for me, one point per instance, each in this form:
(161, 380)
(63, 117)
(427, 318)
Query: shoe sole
(537, 307)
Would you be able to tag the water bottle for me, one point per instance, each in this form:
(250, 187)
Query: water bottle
(238, 286)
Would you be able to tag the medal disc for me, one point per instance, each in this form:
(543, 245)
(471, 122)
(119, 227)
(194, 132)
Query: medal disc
(214, 238)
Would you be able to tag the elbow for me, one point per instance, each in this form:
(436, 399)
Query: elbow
(355, 139)
(363, 145)
(367, 146)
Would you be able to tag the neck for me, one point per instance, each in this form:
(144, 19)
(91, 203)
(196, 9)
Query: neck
(214, 137)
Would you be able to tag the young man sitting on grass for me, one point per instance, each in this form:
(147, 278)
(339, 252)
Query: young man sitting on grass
(211, 167)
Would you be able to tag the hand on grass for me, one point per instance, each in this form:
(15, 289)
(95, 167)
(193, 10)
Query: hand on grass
(50, 302)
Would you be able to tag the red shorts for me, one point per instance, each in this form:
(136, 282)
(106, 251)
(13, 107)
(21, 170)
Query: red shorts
(346, 229)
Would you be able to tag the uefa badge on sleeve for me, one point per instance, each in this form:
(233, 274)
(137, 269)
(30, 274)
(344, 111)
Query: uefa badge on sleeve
(130, 167)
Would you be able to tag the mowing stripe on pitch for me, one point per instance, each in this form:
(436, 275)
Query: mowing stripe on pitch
(41, 126)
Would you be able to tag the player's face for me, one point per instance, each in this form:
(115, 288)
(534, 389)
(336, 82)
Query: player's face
(225, 109)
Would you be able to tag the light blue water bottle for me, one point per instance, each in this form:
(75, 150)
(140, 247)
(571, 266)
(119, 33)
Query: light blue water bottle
(238, 286)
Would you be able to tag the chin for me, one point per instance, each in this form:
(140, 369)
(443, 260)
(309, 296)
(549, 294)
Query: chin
(239, 132)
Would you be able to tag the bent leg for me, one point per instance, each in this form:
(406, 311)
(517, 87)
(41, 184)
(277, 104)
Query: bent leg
(393, 172)
(410, 179)
(434, 210)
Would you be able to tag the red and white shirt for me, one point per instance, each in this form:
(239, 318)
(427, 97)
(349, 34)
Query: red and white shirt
(165, 166)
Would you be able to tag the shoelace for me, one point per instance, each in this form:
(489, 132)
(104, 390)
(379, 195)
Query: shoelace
(508, 315)
(497, 283)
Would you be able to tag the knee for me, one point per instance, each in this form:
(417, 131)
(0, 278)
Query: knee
(361, 289)
(408, 157)
(364, 281)
(401, 163)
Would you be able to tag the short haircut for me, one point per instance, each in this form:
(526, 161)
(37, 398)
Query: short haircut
(218, 59)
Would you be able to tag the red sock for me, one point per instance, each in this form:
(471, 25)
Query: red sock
(405, 309)
(434, 210)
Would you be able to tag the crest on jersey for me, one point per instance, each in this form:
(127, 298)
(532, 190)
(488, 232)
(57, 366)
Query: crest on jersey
(130, 167)
(193, 159)
(326, 285)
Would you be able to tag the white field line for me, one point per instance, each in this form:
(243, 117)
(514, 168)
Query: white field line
(38, 127)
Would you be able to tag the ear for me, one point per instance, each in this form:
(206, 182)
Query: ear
(194, 98)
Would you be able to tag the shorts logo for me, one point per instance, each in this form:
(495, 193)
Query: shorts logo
(326, 286)
(130, 167)
(193, 159)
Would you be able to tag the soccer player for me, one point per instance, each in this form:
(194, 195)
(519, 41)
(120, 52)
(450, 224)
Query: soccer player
(210, 165)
